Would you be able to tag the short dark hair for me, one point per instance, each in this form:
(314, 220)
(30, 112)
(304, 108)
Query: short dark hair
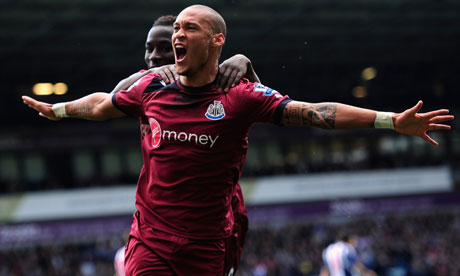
(165, 20)
(215, 20)
(344, 235)
(218, 25)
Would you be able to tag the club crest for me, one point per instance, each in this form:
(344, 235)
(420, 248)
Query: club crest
(215, 111)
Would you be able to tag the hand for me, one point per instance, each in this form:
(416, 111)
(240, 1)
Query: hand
(44, 109)
(231, 71)
(167, 72)
(126, 83)
(412, 123)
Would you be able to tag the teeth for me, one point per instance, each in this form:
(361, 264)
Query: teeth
(180, 46)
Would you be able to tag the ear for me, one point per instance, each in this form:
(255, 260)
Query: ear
(218, 40)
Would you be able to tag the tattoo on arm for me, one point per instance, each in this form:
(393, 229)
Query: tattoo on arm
(317, 115)
(78, 110)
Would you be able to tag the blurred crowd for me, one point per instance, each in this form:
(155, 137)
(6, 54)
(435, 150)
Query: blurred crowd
(120, 166)
(397, 244)
(392, 244)
(413, 243)
(85, 258)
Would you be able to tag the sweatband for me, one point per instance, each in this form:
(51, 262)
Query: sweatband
(384, 120)
(59, 110)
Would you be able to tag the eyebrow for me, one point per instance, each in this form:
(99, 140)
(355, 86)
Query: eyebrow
(160, 42)
(191, 23)
(188, 23)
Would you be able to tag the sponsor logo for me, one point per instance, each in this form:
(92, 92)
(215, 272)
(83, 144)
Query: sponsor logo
(202, 139)
(266, 91)
(158, 134)
(215, 111)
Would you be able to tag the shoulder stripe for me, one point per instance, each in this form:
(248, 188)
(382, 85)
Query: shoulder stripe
(279, 111)
(155, 85)
(172, 86)
(114, 102)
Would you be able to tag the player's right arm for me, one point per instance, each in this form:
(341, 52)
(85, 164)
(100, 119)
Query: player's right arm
(97, 106)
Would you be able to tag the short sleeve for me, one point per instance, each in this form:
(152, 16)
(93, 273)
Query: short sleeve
(130, 101)
(261, 103)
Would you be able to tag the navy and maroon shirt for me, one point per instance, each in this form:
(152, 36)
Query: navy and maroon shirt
(194, 147)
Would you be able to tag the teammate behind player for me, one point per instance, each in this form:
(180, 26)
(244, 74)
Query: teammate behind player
(196, 145)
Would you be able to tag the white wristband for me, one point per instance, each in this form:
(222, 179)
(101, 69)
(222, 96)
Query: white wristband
(384, 120)
(59, 110)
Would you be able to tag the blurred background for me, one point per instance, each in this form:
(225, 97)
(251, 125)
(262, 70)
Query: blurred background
(67, 188)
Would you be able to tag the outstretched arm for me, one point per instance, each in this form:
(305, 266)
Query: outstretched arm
(341, 116)
(97, 106)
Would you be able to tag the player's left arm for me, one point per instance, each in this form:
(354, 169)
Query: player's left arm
(341, 116)
(233, 69)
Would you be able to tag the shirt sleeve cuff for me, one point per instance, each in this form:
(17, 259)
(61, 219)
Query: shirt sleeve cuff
(279, 111)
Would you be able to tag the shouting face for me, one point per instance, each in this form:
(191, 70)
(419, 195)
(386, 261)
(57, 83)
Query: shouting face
(193, 39)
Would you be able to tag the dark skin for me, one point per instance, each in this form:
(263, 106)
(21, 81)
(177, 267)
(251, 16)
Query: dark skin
(158, 49)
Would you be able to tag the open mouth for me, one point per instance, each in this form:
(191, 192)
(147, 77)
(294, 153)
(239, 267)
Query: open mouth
(181, 52)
